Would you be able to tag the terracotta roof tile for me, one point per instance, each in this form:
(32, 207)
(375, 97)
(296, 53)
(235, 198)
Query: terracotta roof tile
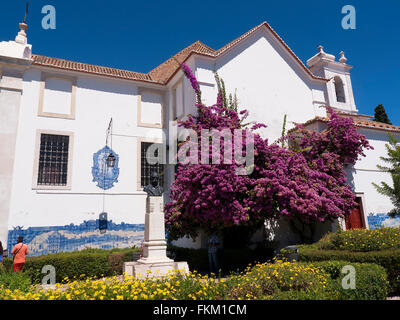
(89, 68)
(359, 122)
(165, 71)
(376, 125)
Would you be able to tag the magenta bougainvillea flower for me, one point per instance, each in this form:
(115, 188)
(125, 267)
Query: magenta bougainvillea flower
(193, 81)
(307, 182)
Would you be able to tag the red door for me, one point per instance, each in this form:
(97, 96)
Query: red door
(354, 220)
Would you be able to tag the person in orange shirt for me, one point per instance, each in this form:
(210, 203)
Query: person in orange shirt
(19, 251)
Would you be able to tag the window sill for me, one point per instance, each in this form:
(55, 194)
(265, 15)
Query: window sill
(45, 187)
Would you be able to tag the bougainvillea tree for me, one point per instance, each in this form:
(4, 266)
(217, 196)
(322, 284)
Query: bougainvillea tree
(325, 196)
(307, 183)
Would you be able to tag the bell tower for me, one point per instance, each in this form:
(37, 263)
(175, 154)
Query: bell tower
(339, 88)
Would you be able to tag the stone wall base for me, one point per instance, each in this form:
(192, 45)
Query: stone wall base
(142, 270)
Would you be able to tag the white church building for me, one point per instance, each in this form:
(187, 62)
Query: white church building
(54, 116)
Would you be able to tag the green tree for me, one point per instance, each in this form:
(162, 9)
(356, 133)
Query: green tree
(380, 115)
(393, 159)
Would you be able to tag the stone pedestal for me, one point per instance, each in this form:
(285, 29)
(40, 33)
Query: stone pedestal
(154, 262)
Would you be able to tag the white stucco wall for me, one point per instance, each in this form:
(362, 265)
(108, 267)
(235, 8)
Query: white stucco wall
(97, 100)
(10, 97)
(268, 82)
(57, 96)
(349, 104)
(366, 172)
(151, 107)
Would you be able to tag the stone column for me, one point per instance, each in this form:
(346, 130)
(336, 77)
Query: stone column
(154, 245)
(154, 262)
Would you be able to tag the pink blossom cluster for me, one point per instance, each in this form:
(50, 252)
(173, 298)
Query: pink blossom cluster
(193, 81)
(307, 182)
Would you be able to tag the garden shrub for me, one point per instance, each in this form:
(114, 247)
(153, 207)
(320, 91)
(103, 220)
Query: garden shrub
(2, 268)
(315, 281)
(116, 260)
(280, 279)
(77, 264)
(68, 265)
(8, 264)
(370, 280)
(15, 281)
(388, 259)
(361, 240)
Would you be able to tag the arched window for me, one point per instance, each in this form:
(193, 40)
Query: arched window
(339, 89)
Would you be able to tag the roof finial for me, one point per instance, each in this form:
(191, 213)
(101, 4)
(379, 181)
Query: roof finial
(342, 59)
(321, 49)
(21, 37)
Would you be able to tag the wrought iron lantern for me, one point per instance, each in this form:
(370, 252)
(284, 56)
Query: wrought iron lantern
(110, 160)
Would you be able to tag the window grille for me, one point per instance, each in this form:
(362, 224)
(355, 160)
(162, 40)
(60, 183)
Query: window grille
(147, 168)
(53, 160)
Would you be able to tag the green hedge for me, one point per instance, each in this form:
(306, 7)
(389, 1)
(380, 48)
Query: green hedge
(116, 260)
(309, 281)
(86, 263)
(388, 259)
(370, 282)
(361, 240)
(98, 262)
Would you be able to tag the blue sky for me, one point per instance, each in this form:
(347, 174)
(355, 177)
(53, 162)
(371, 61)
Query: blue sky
(138, 36)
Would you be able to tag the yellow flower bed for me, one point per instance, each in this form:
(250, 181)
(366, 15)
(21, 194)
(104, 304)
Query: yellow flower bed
(266, 280)
(362, 240)
(259, 282)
